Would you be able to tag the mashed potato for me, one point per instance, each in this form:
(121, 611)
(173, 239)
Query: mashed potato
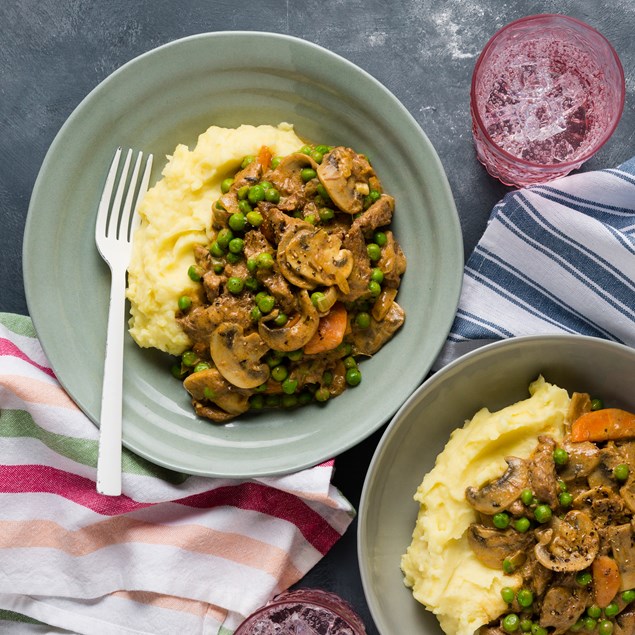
(439, 565)
(176, 216)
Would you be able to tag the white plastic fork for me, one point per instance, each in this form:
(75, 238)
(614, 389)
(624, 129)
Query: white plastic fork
(115, 225)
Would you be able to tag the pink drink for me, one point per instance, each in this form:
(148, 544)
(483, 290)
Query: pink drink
(304, 612)
(547, 92)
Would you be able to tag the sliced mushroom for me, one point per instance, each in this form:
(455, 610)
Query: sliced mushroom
(570, 545)
(491, 546)
(210, 386)
(287, 176)
(562, 606)
(501, 493)
(369, 340)
(298, 331)
(345, 176)
(237, 356)
(622, 541)
(310, 257)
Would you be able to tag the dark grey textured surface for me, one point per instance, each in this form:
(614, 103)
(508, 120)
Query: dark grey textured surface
(52, 54)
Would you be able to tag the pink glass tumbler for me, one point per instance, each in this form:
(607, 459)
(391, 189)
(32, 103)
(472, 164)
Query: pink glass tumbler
(547, 93)
(306, 612)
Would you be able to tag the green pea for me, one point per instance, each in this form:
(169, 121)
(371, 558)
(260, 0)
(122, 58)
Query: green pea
(245, 207)
(194, 273)
(289, 386)
(246, 161)
(237, 221)
(327, 378)
(597, 404)
(272, 195)
(501, 520)
(201, 366)
(176, 371)
(374, 196)
(322, 394)
(256, 194)
(353, 376)
(525, 625)
(542, 513)
(273, 358)
(209, 393)
(377, 275)
(584, 578)
(257, 402)
(628, 596)
(252, 265)
(235, 284)
(281, 319)
(374, 251)
(251, 284)
(224, 236)
(508, 566)
(527, 496)
(219, 204)
(380, 238)
(522, 524)
(265, 185)
(589, 623)
(344, 349)
(508, 595)
(275, 162)
(254, 218)
(266, 303)
(216, 250)
(536, 629)
(306, 149)
(311, 218)
(242, 192)
(326, 213)
(219, 267)
(525, 598)
(232, 258)
(374, 288)
(272, 401)
(189, 358)
(594, 611)
(279, 373)
(362, 320)
(295, 356)
(226, 184)
(255, 314)
(185, 302)
(289, 401)
(578, 626)
(316, 296)
(321, 190)
(566, 499)
(621, 471)
(510, 623)
(236, 245)
(317, 156)
(307, 174)
(264, 260)
(611, 610)
(562, 486)
(349, 362)
(605, 627)
(560, 456)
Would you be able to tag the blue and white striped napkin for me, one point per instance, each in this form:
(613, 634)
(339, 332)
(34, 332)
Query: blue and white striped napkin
(554, 258)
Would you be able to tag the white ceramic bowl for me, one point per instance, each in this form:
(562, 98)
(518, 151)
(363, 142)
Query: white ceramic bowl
(493, 376)
(169, 96)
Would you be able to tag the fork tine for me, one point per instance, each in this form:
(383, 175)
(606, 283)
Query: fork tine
(115, 212)
(143, 187)
(104, 202)
(126, 212)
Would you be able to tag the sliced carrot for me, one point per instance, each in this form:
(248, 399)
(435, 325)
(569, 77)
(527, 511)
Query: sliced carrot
(264, 157)
(606, 580)
(330, 331)
(603, 425)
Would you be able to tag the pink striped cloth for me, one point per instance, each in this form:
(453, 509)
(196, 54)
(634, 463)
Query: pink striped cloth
(172, 554)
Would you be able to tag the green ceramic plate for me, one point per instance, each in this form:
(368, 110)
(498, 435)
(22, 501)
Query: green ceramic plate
(168, 96)
(494, 376)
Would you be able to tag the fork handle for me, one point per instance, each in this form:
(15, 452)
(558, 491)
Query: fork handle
(109, 457)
